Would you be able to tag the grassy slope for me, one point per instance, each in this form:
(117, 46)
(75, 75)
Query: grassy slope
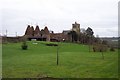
(0, 60)
(40, 61)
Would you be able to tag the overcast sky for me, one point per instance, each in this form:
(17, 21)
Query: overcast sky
(59, 15)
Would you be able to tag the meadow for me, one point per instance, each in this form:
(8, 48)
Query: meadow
(0, 60)
(75, 61)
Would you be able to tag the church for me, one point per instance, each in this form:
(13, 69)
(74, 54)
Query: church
(46, 35)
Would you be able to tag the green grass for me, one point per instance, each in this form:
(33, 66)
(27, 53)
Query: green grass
(75, 61)
(0, 60)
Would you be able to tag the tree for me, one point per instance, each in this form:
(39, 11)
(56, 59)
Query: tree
(105, 42)
(89, 31)
(82, 38)
(89, 34)
(24, 45)
(119, 43)
(97, 40)
(73, 35)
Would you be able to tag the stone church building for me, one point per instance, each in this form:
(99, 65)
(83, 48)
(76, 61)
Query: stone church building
(46, 35)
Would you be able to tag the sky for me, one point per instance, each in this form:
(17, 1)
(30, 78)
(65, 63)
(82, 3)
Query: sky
(59, 15)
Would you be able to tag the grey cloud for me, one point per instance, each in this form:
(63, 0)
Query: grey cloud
(59, 15)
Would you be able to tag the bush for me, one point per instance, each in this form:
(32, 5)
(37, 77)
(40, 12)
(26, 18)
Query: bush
(100, 48)
(24, 45)
(112, 49)
(51, 44)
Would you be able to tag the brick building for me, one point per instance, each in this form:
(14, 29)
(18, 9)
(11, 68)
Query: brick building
(46, 35)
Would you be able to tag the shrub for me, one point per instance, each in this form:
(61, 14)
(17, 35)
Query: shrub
(51, 44)
(105, 42)
(24, 45)
(100, 48)
(112, 49)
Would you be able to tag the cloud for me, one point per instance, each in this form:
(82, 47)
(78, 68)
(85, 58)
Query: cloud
(59, 15)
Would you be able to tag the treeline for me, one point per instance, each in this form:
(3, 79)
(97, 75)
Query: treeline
(87, 37)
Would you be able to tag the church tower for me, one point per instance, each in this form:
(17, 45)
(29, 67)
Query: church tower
(76, 27)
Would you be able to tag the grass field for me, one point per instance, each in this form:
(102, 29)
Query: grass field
(75, 61)
(0, 60)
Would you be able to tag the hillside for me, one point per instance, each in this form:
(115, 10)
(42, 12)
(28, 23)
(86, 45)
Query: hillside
(75, 61)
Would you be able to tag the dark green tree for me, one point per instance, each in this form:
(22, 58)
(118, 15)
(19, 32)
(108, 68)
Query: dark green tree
(89, 35)
(89, 31)
(73, 35)
(24, 45)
